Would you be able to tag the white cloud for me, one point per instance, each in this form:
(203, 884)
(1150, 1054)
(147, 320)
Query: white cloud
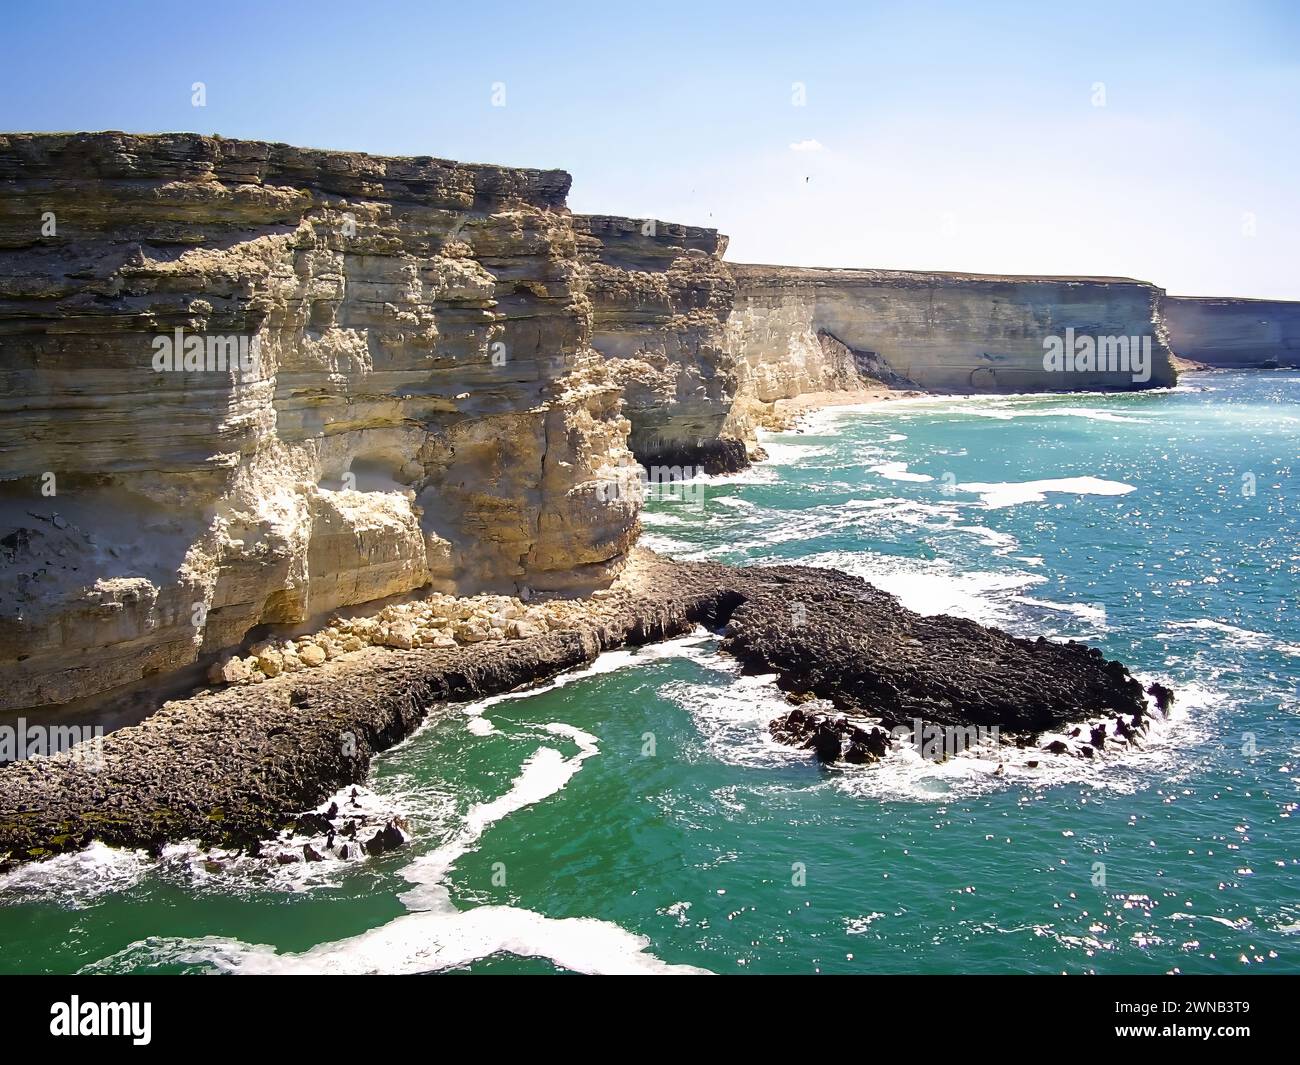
(806, 146)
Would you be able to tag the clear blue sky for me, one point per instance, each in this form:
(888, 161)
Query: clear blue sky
(934, 136)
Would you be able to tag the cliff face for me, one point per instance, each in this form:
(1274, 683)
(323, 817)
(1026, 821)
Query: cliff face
(1234, 333)
(704, 348)
(417, 401)
(245, 384)
(661, 297)
(941, 332)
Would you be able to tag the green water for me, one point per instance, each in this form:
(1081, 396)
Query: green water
(653, 825)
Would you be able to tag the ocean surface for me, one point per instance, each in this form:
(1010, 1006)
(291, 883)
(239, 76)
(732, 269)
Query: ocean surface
(635, 816)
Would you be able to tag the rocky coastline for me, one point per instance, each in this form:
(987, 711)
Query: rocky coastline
(455, 378)
(233, 766)
(425, 487)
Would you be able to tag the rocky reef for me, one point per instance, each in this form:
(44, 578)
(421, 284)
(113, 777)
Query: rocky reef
(883, 671)
(835, 637)
(1234, 333)
(284, 745)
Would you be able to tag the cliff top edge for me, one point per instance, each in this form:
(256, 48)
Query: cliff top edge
(109, 154)
(1230, 301)
(757, 271)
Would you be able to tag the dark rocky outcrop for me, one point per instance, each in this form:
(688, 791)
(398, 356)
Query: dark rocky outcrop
(389, 838)
(1163, 696)
(843, 640)
(831, 737)
(237, 765)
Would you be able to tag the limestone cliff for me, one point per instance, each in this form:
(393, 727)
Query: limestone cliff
(939, 331)
(403, 393)
(661, 297)
(1234, 333)
(704, 348)
(245, 384)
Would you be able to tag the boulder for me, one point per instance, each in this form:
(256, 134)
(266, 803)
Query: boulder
(472, 630)
(399, 634)
(389, 838)
(1163, 696)
(826, 741)
(313, 824)
(229, 671)
(271, 663)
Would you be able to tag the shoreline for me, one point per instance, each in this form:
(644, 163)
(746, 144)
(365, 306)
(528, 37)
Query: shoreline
(234, 766)
(283, 764)
(786, 414)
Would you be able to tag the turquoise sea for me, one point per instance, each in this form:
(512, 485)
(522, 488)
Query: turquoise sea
(635, 816)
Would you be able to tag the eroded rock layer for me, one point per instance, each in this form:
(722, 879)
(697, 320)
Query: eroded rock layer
(1234, 333)
(661, 296)
(705, 350)
(941, 332)
(417, 402)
